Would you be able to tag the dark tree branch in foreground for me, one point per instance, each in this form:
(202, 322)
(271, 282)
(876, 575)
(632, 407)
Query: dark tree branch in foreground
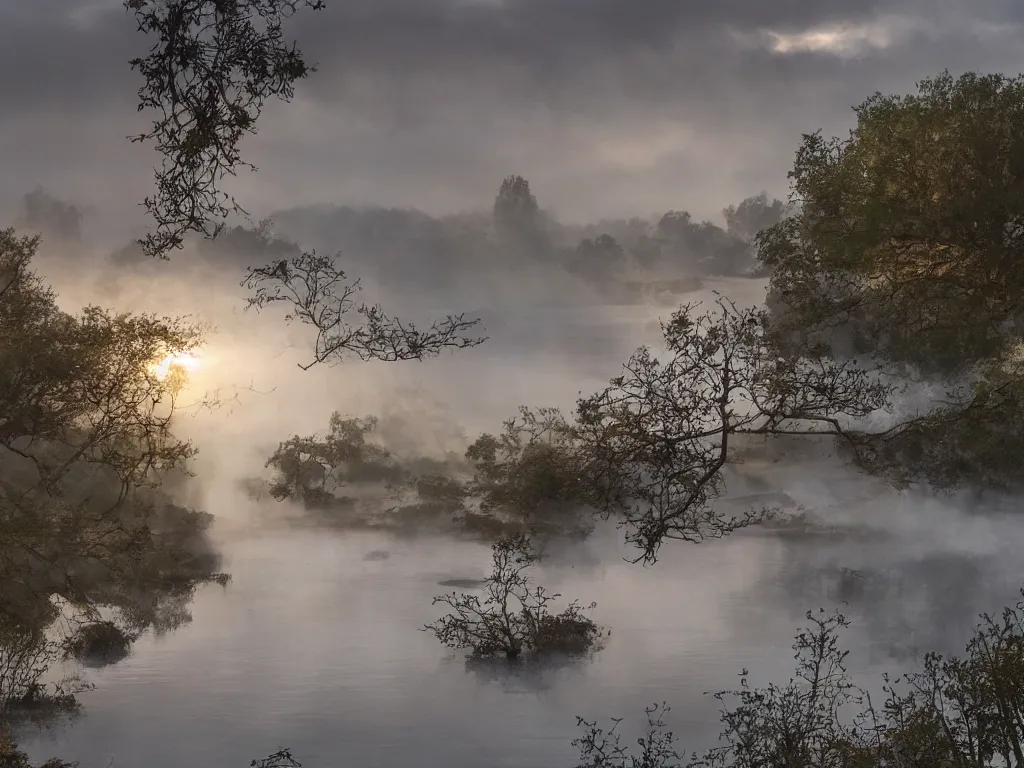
(604, 749)
(319, 294)
(958, 711)
(659, 437)
(213, 67)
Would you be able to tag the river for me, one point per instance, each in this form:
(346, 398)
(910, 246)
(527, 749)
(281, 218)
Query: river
(316, 648)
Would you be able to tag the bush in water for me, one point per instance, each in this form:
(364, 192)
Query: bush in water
(513, 618)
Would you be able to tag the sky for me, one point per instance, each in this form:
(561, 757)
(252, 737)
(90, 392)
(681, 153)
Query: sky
(608, 107)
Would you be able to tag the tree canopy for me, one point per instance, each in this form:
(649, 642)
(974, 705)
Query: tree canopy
(86, 440)
(908, 240)
(906, 252)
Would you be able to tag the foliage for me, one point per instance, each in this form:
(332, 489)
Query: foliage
(513, 618)
(600, 748)
(319, 294)
(884, 243)
(517, 216)
(970, 440)
(753, 215)
(650, 448)
(658, 437)
(90, 548)
(531, 474)
(311, 470)
(704, 244)
(800, 724)
(457, 248)
(99, 642)
(905, 252)
(81, 389)
(960, 711)
(598, 260)
(908, 231)
(208, 76)
(12, 757)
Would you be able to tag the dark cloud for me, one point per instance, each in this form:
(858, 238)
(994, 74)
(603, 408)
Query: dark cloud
(606, 105)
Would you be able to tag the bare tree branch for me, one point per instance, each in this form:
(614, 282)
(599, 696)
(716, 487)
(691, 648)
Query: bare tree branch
(319, 294)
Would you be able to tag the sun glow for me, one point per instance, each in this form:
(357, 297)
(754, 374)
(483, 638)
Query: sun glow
(184, 362)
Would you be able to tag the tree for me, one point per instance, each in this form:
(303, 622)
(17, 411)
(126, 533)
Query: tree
(212, 69)
(886, 243)
(752, 215)
(529, 476)
(702, 245)
(311, 470)
(905, 253)
(513, 618)
(82, 389)
(532, 474)
(598, 260)
(909, 232)
(656, 440)
(86, 440)
(518, 222)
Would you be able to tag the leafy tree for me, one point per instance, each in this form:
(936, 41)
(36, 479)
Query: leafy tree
(81, 389)
(598, 259)
(752, 215)
(312, 470)
(85, 442)
(513, 618)
(657, 439)
(518, 222)
(904, 252)
(532, 474)
(909, 231)
(527, 477)
(901, 248)
(703, 245)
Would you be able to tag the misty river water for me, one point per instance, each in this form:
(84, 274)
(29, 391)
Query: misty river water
(315, 647)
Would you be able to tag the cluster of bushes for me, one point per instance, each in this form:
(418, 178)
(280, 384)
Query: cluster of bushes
(527, 477)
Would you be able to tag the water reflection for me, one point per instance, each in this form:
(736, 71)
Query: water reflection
(83, 604)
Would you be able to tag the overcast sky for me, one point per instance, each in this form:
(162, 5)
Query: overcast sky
(608, 107)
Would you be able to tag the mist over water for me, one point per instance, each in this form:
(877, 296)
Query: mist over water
(315, 646)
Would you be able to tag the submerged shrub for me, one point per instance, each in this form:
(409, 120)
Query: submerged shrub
(514, 618)
(98, 644)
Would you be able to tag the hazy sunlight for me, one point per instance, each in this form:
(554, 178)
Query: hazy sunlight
(187, 362)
